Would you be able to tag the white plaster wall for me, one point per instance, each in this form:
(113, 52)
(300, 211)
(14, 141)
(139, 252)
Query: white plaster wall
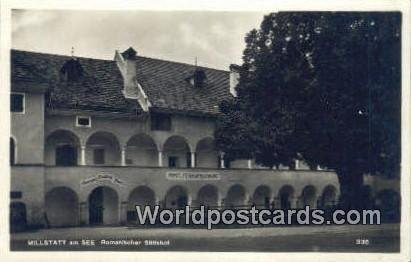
(28, 130)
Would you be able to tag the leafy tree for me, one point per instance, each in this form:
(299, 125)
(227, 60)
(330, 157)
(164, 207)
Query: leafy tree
(324, 87)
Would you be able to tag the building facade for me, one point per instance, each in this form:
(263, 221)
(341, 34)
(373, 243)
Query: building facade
(91, 139)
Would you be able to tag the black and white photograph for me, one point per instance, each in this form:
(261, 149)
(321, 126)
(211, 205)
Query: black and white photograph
(207, 130)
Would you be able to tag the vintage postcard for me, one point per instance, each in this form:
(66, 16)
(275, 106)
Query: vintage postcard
(256, 129)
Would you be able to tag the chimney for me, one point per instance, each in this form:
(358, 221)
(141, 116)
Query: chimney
(127, 64)
(234, 78)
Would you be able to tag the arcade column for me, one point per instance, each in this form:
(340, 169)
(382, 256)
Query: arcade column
(123, 212)
(294, 202)
(84, 216)
(276, 203)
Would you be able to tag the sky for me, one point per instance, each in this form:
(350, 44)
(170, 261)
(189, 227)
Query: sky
(215, 38)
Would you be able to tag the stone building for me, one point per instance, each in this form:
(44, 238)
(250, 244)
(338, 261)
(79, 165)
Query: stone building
(91, 139)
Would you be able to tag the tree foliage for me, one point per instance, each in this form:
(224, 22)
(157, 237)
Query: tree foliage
(323, 87)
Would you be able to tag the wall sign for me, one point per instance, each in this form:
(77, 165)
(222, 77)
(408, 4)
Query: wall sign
(192, 176)
(102, 178)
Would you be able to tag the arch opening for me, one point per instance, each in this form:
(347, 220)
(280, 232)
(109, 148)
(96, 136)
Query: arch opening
(328, 197)
(286, 195)
(62, 148)
(103, 206)
(103, 148)
(206, 153)
(142, 151)
(18, 216)
(176, 152)
(176, 198)
(208, 196)
(62, 207)
(308, 197)
(261, 197)
(236, 197)
(141, 196)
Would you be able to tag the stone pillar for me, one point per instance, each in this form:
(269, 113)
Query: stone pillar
(249, 202)
(249, 164)
(336, 200)
(276, 204)
(294, 202)
(193, 159)
(123, 156)
(222, 162)
(83, 216)
(123, 212)
(194, 203)
(189, 201)
(83, 155)
(314, 204)
(160, 158)
(220, 203)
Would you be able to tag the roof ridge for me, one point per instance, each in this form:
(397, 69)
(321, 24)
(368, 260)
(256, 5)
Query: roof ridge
(182, 63)
(112, 60)
(160, 79)
(60, 55)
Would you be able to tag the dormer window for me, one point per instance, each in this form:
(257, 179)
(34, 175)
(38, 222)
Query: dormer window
(72, 71)
(198, 79)
(83, 121)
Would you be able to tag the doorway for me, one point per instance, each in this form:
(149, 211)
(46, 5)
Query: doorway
(18, 217)
(103, 206)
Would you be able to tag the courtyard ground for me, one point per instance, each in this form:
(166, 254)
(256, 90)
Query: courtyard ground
(344, 238)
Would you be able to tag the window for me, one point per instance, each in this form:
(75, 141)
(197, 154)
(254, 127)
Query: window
(17, 103)
(66, 155)
(16, 194)
(172, 161)
(83, 121)
(12, 152)
(99, 156)
(160, 122)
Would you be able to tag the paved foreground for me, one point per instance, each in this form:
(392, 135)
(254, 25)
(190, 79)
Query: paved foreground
(345, 238)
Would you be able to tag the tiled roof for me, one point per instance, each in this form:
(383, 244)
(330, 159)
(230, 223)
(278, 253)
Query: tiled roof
(101, 87)
(167, 88)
